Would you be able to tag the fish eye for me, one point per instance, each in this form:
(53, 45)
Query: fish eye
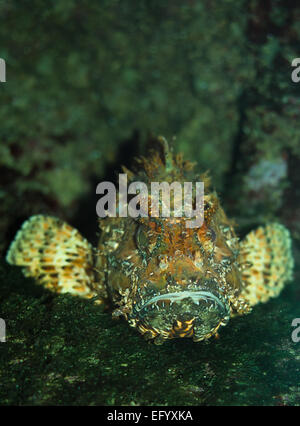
(142, 239)
(212, 234)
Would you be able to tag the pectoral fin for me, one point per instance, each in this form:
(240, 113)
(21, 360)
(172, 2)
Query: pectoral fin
(55, 254)
(266, 254)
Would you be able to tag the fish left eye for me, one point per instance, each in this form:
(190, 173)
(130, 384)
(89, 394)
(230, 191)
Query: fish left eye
(212, 234)
(142, 239)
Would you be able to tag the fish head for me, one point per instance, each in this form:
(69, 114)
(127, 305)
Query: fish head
(176, 296)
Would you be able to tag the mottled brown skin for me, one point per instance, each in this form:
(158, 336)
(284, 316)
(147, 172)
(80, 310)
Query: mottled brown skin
(145, 258)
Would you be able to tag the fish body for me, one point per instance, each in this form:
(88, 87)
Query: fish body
(166, 279)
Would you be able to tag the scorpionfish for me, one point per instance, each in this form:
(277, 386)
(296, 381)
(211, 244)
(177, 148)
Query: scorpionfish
(166, 279)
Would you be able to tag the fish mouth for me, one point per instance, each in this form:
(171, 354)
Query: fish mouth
(196, 297)
(196, 313)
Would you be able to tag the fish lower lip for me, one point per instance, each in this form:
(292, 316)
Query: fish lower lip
(196, 296)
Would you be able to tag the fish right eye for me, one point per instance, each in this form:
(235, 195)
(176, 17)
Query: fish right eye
(142, 239)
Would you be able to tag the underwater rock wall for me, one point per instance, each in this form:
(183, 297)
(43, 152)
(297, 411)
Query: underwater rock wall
(86, 80)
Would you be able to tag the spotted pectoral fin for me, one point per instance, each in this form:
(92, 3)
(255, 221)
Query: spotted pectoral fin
(55, 254)
(266, 256)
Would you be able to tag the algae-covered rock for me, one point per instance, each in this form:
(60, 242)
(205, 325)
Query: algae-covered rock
(61, 350)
